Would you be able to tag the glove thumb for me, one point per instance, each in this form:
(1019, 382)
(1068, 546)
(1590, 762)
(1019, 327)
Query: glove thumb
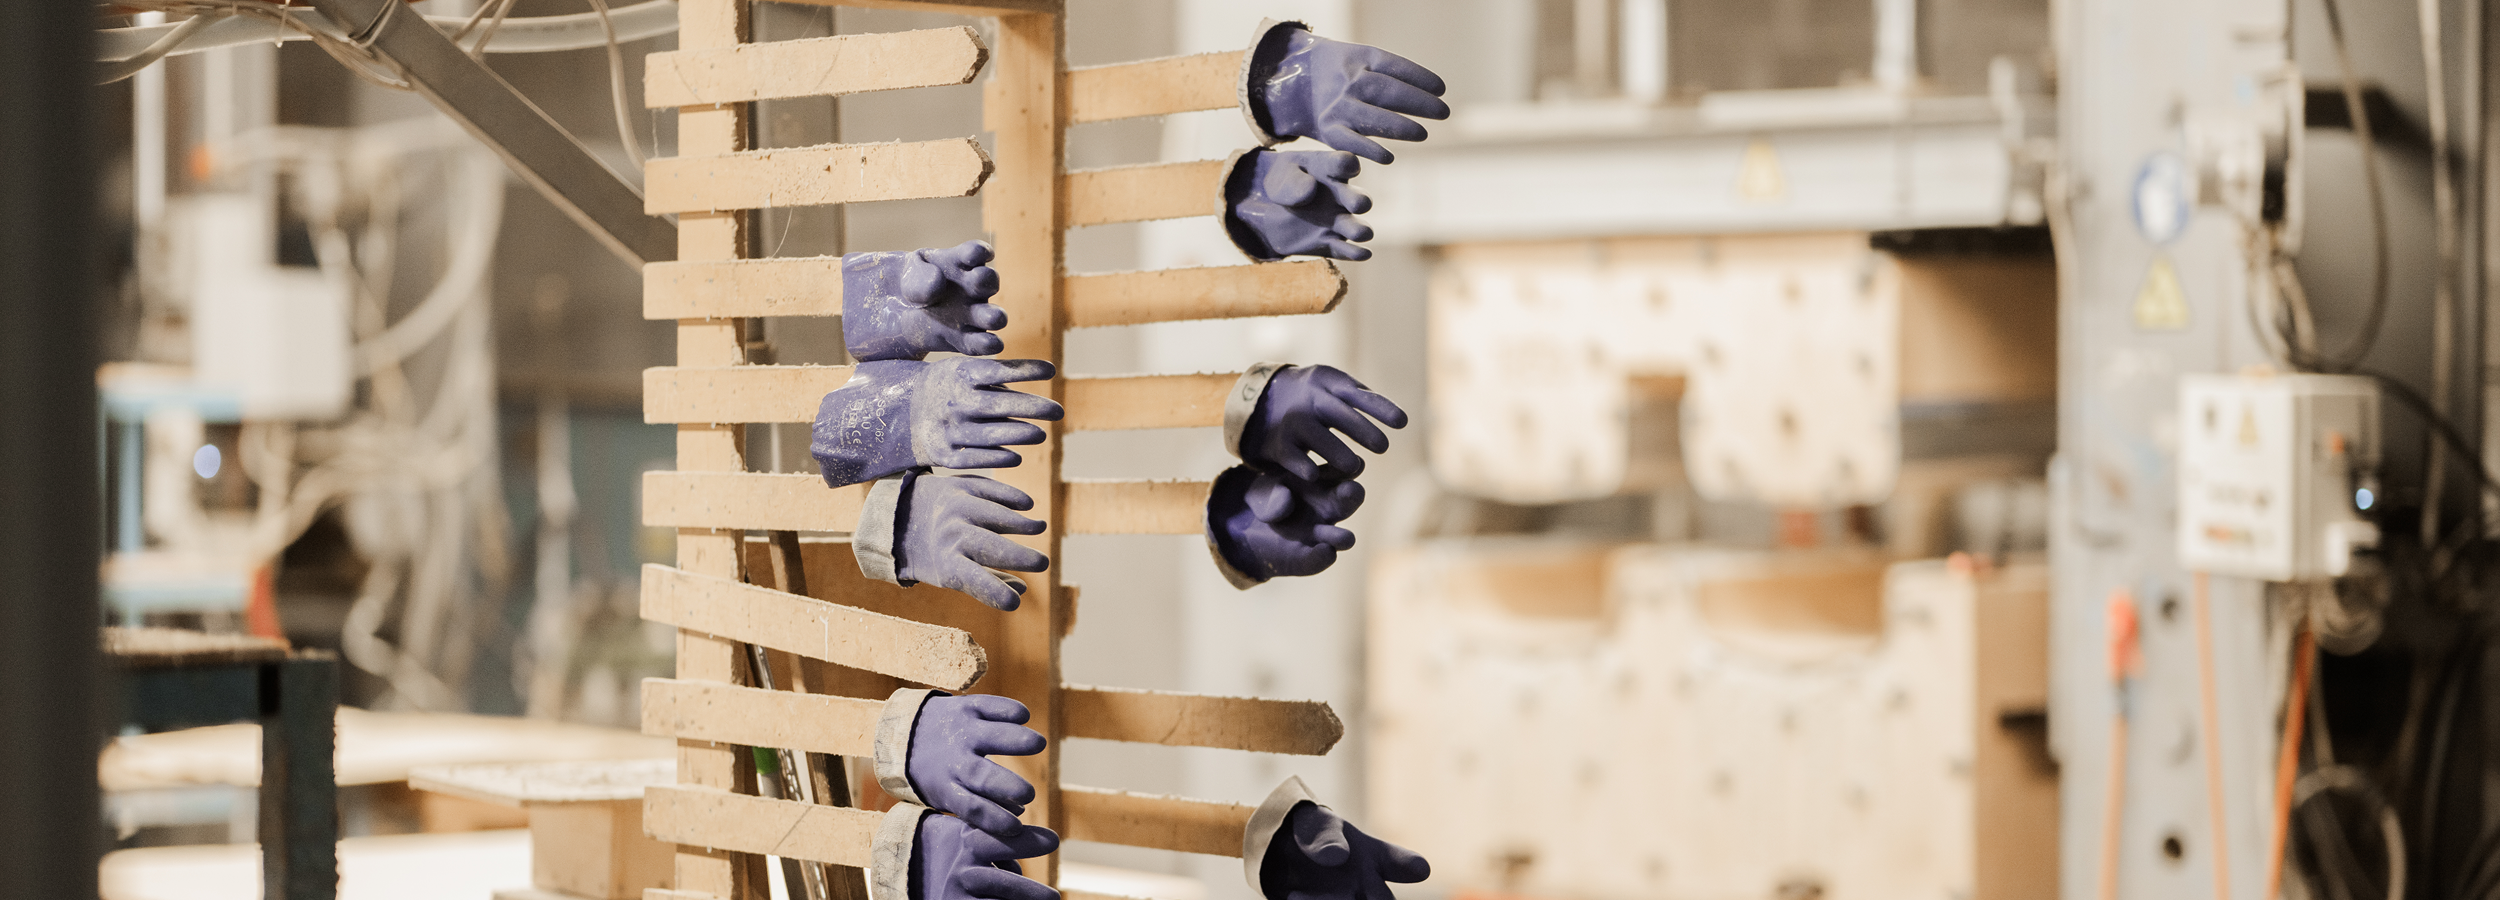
(1320, 835)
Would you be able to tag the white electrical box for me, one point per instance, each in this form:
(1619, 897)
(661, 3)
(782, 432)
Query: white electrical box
(2276, 474)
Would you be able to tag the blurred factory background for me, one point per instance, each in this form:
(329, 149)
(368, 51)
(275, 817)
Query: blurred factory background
(1794, 505)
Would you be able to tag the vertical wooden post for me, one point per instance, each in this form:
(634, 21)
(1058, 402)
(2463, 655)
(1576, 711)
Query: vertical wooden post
(1024, 210)
(706, 131)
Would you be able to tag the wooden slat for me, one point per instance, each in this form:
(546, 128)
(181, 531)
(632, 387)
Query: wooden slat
(1143, 193)
(1301, 727)
(735, 288)
(914, 651)
(739, 394)
(1155, 87)
(1299, 287)
(705, 817)
(1154, 820)
(755, 717)
(1136, 507)
(814, 176)
(813, 67)
(749, 500)
(1147, 401)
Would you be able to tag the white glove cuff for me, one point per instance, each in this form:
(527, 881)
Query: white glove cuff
(1242, 86)
(873, 540)
(1266, 822)
(893, 746)
(889, 856)
(1243, 402)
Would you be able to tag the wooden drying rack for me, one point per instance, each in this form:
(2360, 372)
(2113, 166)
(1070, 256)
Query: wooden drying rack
(847, 641)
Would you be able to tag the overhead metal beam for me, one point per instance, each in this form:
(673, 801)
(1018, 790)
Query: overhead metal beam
(536, 148)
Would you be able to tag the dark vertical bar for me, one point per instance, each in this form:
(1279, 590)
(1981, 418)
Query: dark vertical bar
(299, 810)
(51, 720)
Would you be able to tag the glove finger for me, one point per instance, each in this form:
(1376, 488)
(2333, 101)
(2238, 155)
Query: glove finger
(1345, 418)
(1010, 433)
(1406, 70)
(985, 316)
(1033, 841)
(1392, 95)
(996, 552)
(1402, 865)
(1372, 121)
(988, 883)
(1305, 560)
(994, 708)
(994, 372)
(1288, 185)
(1333, 503)
(1348, 140)
(995, 520)
(983, 815)
(1347, 252)
(1296, 463)
(1352, 229)
(921, 282)
(972, 458)
(1320, 835)
(1270, 500)
(1001, 403)
(976, 343)
(1338, 538)
(979, 584)
(1329, 165)
(991, 490)
(998, 785)
(1347, 197)
(1340, 458)
(1370, 402)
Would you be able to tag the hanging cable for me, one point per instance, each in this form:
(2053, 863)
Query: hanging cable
(2380, 274)
(2444, 220)
(2209, 721)
(120, 69)
(2287, 760)
(616, 88)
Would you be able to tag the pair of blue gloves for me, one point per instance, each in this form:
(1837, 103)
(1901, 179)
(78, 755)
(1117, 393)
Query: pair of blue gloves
(902, 414)
(1277, 513)
(965, 837)
(1296, 84)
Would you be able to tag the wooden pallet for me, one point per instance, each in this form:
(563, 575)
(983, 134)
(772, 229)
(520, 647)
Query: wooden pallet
(847, 636)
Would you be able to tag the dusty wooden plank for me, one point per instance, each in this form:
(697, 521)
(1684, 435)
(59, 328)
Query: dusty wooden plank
(814, 176)
(704, 236)
(738, 288)
(1143, 193)
(1301, 727)
(1136, 507)
(1154, 87)
(914, 651)
(1118, 403)
(1027, 217)
(1155, 820)
(705, 817)
(756, 717)
(749, 500)
(744, 394)
(813, 67)
(1299, 287)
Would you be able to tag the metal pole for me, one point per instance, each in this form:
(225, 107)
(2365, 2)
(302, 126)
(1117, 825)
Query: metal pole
(51, 718)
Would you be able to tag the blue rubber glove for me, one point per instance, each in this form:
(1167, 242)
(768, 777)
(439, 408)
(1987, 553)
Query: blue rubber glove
(949, 535)
(1269, 525)
(908, 305)
(949, 766)
(951, 413)
(1281, 203)
(1321, 856)
(1301, 412)
(1340, 94)
(951, 860)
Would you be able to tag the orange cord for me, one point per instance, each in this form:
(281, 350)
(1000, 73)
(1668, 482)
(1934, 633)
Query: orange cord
(2124, 658)
(2210, 722)
(2287, 763)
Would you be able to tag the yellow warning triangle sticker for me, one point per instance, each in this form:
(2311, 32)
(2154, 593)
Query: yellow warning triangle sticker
(2161, 304)
(2248, 427)
(1758, 179)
